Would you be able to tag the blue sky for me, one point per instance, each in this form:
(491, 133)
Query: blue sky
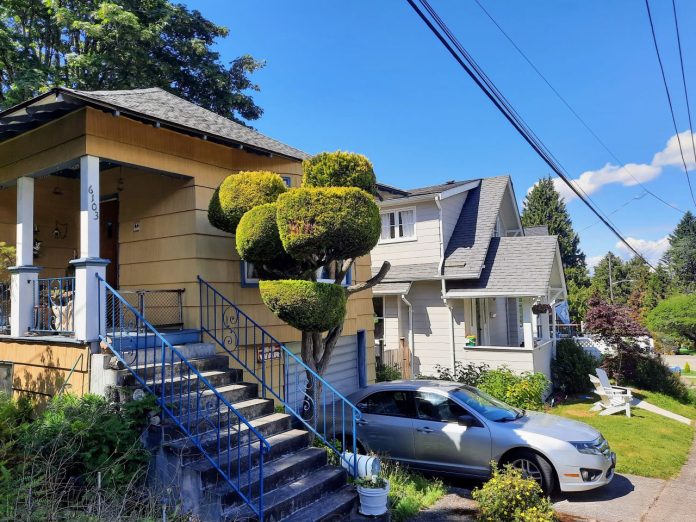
(368, 76)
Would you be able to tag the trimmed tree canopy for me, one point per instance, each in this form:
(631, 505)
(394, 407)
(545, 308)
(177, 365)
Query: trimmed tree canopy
(306, 305)
(339, 169)
(239, 193)
(675, 316)
(328, 223)
(257, 235)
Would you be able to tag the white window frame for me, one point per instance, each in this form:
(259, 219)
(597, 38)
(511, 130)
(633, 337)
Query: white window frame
(414, 237)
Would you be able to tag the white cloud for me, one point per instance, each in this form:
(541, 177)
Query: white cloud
(631, 173)
(652, 250)
(592, 262)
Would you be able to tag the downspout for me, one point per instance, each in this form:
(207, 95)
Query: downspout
(410, 333)
(443, 290)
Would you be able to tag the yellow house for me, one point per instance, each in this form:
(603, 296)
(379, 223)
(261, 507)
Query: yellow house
(116, 184)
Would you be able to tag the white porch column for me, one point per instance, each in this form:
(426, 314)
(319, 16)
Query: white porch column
(554, 334)
(527, 322)
(22, 288)
(545, 326)
(89, 312)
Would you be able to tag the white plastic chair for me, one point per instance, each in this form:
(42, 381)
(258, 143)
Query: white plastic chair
(610, 402)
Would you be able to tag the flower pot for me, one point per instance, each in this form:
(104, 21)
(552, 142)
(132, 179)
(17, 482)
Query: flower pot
(373, 501)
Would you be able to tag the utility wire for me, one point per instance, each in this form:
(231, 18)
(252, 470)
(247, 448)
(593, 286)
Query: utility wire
(574, 112)
(686, 91)
(634, 198)
(669, 100)
(486, 85)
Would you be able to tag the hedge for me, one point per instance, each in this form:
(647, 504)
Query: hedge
(339, 169)
(257, 235)
(241, 192)
(333, 223)
(305, 305)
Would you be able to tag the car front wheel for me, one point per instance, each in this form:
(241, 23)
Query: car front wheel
(535, 467)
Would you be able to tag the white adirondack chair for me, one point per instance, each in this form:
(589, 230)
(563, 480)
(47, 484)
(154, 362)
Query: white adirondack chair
(611, 389)
(610, 402)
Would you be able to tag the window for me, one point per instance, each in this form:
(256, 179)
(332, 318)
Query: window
(398, 225)
(288, 181)
(435, 407)
(326, 274)
(394, 403)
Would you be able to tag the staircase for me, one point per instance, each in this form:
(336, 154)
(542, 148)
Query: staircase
(224, 447)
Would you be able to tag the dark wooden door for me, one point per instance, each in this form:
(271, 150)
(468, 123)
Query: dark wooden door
(108, 234)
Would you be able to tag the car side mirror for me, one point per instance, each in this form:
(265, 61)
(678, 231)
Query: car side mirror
(467, 420)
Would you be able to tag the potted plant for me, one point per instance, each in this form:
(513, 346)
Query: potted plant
(541, 308)
(373, 492)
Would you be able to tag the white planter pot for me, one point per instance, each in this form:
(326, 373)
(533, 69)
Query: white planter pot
(373, 501)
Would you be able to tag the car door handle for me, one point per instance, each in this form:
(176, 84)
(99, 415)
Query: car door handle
(361, 422)
(425, 430)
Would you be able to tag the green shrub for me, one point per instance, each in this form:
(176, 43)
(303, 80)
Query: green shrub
(521, 391)
(687, 368)
(339, 169)
(241, 192)
(572, 367)
(507, 497)
(469, 373)
(675, 317)
(328, 223)
(387, 372)
(257, 235)
(305, 305)
(409, 492)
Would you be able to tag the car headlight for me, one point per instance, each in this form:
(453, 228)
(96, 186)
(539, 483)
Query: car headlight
(589, 448)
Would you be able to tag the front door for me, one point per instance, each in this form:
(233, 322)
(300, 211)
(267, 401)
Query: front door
(441, 444)
(108, 239)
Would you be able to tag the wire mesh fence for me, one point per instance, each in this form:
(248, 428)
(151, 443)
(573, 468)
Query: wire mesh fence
(4, 308)
(160, 308)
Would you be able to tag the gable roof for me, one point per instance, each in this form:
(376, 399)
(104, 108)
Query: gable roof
(514, 266)
(468, 245)
(154, 105)
(387, 192)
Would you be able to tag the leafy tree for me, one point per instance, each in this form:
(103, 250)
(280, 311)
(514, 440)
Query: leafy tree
(7, 259)
(621, 285)
(658, 287)
(681, 254)
(120, 44)
(291, 234)
(676, 317)
(543, 206)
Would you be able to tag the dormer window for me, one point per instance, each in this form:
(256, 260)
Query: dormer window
(398, 225)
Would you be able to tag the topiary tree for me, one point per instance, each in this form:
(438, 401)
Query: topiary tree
(675, 317)
(289, 235)
(7, 259)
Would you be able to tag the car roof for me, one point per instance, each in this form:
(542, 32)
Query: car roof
(409, 385)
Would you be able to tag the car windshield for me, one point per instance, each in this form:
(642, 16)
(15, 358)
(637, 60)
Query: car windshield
(488, 406)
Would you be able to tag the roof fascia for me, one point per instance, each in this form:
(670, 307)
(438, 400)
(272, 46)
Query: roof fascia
(458, 190)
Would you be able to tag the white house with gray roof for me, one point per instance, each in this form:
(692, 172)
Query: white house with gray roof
(465, 276)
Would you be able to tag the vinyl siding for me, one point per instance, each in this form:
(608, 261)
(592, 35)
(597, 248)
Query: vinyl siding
(431, 328)
(451, 208)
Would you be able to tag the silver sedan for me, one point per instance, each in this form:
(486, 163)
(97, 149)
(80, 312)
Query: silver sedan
(445, 427)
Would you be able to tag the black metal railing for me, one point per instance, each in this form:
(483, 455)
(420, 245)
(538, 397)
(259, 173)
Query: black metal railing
(161, 308)
(5, 308)
(54, 306)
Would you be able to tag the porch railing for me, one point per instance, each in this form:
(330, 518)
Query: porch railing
(222, 435)
(160, 308)
(54, 310)
(4, 308)
(280, 373)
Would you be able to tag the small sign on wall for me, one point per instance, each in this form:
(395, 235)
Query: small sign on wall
(136, 226)
(268, 352)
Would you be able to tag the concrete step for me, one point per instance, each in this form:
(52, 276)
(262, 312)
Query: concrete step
(284, 501)
(217, 362)
(237, 433)
(183, 384)
(284, 470)
(208, 401)
(334, 507)
(245, 457)
(249, 409)
(153, 354)
(124, 341)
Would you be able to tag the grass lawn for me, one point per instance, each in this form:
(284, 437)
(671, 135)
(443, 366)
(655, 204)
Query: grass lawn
(645, 444)
(665, 401)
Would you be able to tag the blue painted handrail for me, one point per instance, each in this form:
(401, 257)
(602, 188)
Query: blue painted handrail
(324, 411)
(185, 396)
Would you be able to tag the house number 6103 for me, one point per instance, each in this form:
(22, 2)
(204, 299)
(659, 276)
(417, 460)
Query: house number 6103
(93, 204)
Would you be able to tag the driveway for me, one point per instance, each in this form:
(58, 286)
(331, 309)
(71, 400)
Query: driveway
(680, 360)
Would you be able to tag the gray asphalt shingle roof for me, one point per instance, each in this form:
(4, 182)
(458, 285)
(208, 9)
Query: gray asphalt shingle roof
(514, 266)
(166, 107)
(472, 234)
(409, 272)
(390, 192)
(391, 288)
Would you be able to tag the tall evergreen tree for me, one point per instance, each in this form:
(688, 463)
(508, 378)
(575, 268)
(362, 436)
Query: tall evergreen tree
(681, 254)
(120, 44)
(543, 206)
(620, 286)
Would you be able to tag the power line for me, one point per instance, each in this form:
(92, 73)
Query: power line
(686, 91)
(634, 198)
(470, 66)
(669, 100)
(574, 112)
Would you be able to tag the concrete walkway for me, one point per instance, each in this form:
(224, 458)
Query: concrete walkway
(637, 403)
